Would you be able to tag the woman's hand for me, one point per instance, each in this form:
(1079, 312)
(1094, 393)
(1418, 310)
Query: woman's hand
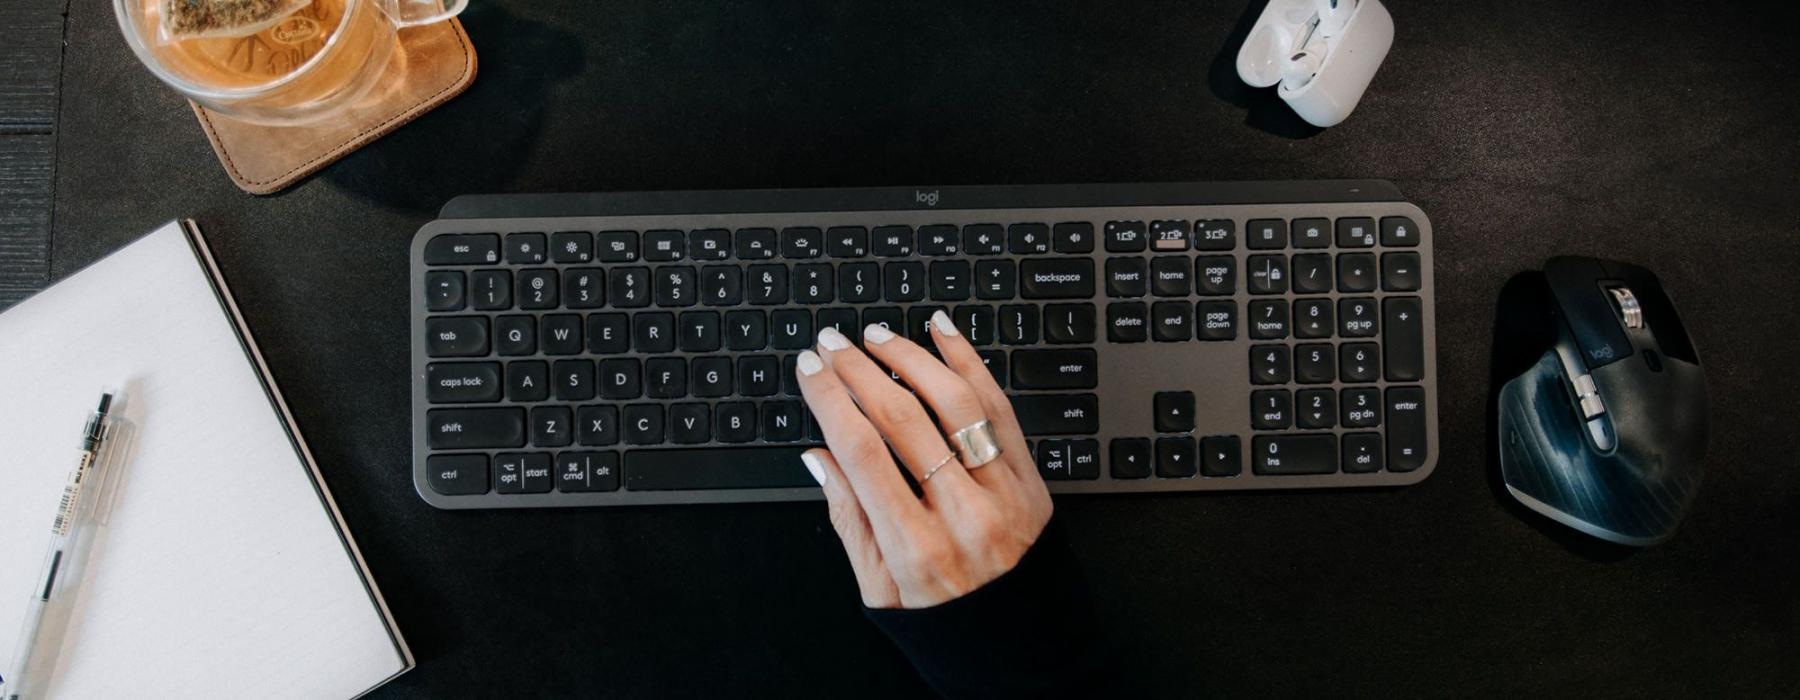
(973, 522)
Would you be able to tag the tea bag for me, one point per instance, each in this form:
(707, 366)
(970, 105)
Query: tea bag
(193, 19)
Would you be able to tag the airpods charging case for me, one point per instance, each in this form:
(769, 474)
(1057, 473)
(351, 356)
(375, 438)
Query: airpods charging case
(1351, 57)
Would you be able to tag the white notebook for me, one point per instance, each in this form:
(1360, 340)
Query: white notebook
(224, 569)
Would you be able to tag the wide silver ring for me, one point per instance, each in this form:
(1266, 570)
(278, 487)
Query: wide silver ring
(935, 467)
(977, 444)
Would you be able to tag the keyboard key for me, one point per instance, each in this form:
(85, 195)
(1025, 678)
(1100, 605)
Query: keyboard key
(616, 246)
(759, 375)
(768, 284)
(629, 287)
(1073, 237)
(782, 421)
(746, 329)
(1269, 364)
(528, 381)
(584, 288)
(1055, 369)
(1315, 364)
(677, 286)
(457, 475)
(1294, 454)
(939, 239)
(537, 289)
(893, 241)
(525, 248)
(584, 472)
(491, 290)
(1356, 272)
(1219, 234)
(1172, 321)
(801, 242)
(665, 377)
(1217, 274)
(1174, 411)
(444, 290)
(1399, 231)
(1356, 319)
(522, 472)
(1268, 274)
(709, 244)
(1126, 237)
(1018, 324)
(1359, 362)
(1170, 276)
(690, 423)
(1130, 458)
(561, 334)
(597, 425)
(847, 241)
(791, 329)
(703, 469)
(653, 332)
(1312, 233)
(1360, 408)
(1127, 277)
(736, 421)
(1057, 414)
(1271, 409)
(1168, 236)
(474, 428)
(949, 280)
(711, 377)
(1215, 320)
(996, 280)
(903, 281)
(1127, 322)
(1362, 453)
(1056, 460)
(456, 336)
(462, 249)
(1405, 339)
(721, 285)
(1317, 409)
(1406, 428)
(1268, 319)
(1056, 278)
(665, 245)
(551, 426)
(813, 284)
(976, 323)
(887, 317)
(1356, 232)
(574, 380)
(1220, 455)
(607, 334)
(1028, 239)
(1400, 272)
(572, 247)
(1313, 318)
(620, 378)
(1175, 457)
(995, 361)
(1312, 273)
(643, 424)
(462, 382)
(1069, 323)
(983, 239)
(756, 243)
(1266, 234)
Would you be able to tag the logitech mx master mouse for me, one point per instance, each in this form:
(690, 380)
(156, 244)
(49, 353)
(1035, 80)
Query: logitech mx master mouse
(1606, 431)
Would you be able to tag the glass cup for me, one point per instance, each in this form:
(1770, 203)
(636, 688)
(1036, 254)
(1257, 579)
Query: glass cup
(298, 67)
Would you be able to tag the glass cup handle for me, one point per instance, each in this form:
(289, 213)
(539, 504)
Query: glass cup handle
(412, 13)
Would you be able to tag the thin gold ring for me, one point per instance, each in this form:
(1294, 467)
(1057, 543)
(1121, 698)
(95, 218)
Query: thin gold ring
(935, 467)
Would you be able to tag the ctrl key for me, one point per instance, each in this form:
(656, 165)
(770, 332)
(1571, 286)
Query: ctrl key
(457, 475)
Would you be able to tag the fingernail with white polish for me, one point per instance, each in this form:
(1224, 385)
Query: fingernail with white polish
(813, 464)
(808, 363)
(877, 334)
(941, 323)
(832, 340)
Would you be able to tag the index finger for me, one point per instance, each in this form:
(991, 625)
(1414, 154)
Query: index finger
(859, 449)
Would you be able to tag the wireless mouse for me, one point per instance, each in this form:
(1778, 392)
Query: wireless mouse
(1606, 431)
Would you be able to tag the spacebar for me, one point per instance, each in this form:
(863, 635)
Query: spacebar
(725, 468)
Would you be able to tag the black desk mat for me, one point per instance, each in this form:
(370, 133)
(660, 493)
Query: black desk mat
(1646, 132)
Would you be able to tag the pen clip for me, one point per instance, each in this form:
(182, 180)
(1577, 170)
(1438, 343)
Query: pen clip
(118, 440)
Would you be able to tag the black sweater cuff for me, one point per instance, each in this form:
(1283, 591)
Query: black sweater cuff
(1029, 633)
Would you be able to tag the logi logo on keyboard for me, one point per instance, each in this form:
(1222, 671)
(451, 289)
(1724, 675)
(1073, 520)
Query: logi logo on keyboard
(929, 199)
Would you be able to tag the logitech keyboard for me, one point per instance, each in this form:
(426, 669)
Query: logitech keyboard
(639, 348)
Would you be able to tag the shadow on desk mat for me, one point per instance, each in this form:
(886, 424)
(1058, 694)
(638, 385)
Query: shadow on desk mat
(437, 63)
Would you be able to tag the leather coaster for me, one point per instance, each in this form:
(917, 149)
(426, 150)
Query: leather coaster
(438, 63)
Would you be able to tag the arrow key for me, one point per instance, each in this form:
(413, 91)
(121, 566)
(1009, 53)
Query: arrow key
(1220, 456)
(1174, 411)
(1130, 458)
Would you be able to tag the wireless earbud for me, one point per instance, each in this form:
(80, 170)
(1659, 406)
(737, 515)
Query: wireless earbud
(1333, 15)
(1303, 65)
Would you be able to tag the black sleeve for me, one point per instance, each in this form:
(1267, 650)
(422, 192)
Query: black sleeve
(1029, 633)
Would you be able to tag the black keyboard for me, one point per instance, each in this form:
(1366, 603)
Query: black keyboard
(616, 349)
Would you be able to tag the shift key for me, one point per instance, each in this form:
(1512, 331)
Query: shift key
(474, 428)
(1058, 414)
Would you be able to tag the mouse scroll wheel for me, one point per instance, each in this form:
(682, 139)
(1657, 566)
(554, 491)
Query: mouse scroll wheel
(1626, 304)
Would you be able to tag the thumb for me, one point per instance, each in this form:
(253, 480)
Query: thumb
(852, 525)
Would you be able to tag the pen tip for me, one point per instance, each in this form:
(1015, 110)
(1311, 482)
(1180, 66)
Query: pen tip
(105, 403)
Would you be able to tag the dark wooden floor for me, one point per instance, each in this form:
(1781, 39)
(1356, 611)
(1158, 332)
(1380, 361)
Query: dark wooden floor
(30, 72)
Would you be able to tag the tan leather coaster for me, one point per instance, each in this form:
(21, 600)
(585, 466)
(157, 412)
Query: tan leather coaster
(439, 64)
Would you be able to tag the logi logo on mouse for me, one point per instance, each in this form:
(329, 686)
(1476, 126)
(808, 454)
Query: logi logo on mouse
(929, 199)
